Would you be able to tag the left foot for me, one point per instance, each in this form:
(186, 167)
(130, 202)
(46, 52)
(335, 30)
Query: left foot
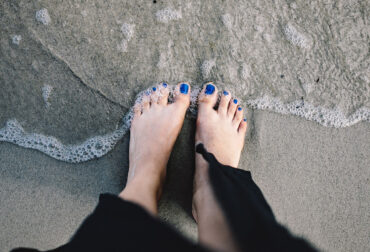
(154, 129)
(222, 132)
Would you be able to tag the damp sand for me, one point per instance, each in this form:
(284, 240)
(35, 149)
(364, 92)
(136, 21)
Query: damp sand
(71, 71)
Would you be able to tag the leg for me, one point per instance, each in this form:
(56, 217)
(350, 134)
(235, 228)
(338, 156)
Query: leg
(154, 129)
(222, 132)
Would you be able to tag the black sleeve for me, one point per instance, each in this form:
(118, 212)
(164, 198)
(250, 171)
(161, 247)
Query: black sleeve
(248, 214)
(119, 225)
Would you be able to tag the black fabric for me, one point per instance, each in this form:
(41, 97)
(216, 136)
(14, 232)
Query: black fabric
(119, 225)
(250, 217)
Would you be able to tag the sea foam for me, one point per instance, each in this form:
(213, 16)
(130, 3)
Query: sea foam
(227, 20)
(46, 91)
(43, 16)
(295, 37)
(128, 32)
(206, 67)
(98, 146)
(167, 15)
(16, 39)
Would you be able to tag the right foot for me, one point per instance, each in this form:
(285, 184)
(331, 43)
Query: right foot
(222, 133)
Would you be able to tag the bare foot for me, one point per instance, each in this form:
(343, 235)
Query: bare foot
(154, 129)
(222, 132)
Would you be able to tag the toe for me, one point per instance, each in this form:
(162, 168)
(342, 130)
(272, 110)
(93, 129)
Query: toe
(137, 110)
(154, 95)
(163, 93)
(182, 94)
(208, 95)
(233, 104)
(243, 127)
(224, 103)
(238, 116)
(145, 102)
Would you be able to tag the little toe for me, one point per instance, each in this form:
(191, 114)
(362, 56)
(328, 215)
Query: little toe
(163, 93)
(137, 110)
(233, 104)
(243, 127)
(182, 94)
(136, 113)
(224, 103)
(238, 116)
(145, 102)
(208, 95)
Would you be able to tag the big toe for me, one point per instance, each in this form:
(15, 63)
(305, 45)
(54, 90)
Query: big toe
(208, 96)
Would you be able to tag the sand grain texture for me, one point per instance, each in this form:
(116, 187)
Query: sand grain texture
(95, 56)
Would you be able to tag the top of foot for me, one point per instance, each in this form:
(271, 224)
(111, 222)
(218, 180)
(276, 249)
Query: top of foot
(222, 131)
(154, 129)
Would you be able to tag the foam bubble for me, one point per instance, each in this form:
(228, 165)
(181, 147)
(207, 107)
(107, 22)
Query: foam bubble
(162, 61)
(128, 31)
(43, 16)
(295, 37)
(46, 91)
(193, 108)
(227, 20)
(122, 47)
(16, 39)
(207, 67)
(167, 15)
(98, 146)
(326, 117)
(244, 71)
(92, 148)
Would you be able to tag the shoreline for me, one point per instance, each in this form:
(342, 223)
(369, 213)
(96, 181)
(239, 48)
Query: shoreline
(314, 178)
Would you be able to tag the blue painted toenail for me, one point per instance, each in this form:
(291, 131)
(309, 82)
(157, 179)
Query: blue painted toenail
(245, 119)
(164, 84)
(154, 89)
(239, 108)
(226, 93)
(235, 101)
(209, 89)
(184, 88)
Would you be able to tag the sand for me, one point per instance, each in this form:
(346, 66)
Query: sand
(316, 180)
(72, 70)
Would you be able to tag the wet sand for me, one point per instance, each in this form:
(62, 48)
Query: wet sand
(315, 178)
(71, 70)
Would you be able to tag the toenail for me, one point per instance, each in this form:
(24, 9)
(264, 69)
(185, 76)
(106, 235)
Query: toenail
(154, 89)
(184, 88)
(209, 89)
(164, 84)
(245, 119)
(235, 101)
(226, 93)
(239, 108)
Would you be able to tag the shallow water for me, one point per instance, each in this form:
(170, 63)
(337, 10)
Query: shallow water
(72, 69)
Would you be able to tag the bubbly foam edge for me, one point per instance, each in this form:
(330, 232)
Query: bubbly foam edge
(98, 146)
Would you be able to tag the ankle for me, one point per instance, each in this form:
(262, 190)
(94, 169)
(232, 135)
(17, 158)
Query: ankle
(144, 191)
(151, 170)
(202, 201)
